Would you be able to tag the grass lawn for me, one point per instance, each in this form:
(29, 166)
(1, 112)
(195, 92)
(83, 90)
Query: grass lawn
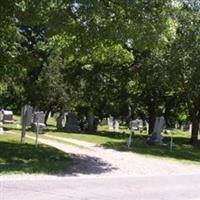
(181, 150)
(16, 158)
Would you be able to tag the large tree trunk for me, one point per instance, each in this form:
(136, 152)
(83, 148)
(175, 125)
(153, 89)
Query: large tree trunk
(195, 129)
(152, 116)
(90, 121)
(46, 117)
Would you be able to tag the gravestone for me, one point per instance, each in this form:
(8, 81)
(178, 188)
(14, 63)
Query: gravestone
(1, 131)
(104, 121)
(38, 124)
(133, 126)
(26, 115)
(7, 115)
(155, 138)
(190, 129)
(26, 119)
(110, 123)
(72, 122)
(116, 125)
(1, 116)
(177, 126)
(140, 123)
(147, 127)
(38, 121)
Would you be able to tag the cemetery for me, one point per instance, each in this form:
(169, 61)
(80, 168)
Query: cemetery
(103, 88)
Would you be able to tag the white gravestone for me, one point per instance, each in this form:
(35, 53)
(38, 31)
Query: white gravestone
(116, 125)
(176, 125)
(190, 129)
(133, 126)
(140, 123)
(147, 127)
(1, 131)
(110, 123)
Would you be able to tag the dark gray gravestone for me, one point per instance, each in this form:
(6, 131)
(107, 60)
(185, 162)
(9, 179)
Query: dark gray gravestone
(38, 124)
(26, 119)
(7, 115)
(72, 123)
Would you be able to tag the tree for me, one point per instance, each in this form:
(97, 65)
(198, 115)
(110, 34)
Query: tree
(184, 67)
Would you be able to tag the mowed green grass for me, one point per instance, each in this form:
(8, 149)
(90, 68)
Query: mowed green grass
(182, 150)
(17, 158)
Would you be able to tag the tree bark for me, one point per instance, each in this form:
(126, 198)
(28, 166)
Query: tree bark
(46, 117)
(90, 121)
(152, 116)
(195, 130)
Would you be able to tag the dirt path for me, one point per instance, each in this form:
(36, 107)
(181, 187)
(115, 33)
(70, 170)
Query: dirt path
(95, 160)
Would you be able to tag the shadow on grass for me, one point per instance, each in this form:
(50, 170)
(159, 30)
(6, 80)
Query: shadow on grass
(26, 158)
(109, 134)
(181, 149)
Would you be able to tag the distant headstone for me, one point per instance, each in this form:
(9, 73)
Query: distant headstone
(110, 123)
(190, 129)
(147, 127)
(26, 115)
(116, 125)
(26, 119)
(72, 122)
(104, 121)
(1, 131)
(140, 123)
(133, 125)
(1, 116)
(7, 115)
(177, 125)
(38, 124)
(38, 120)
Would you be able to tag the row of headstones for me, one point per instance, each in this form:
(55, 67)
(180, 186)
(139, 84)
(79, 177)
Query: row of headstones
(184, 126)
(32, 118)
(138, 124)
(70, 119)
(113, 124)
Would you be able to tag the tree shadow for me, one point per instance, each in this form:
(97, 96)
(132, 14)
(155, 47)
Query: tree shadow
(182, 150)
(109, 134)
(83, 164)
(26, 158)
